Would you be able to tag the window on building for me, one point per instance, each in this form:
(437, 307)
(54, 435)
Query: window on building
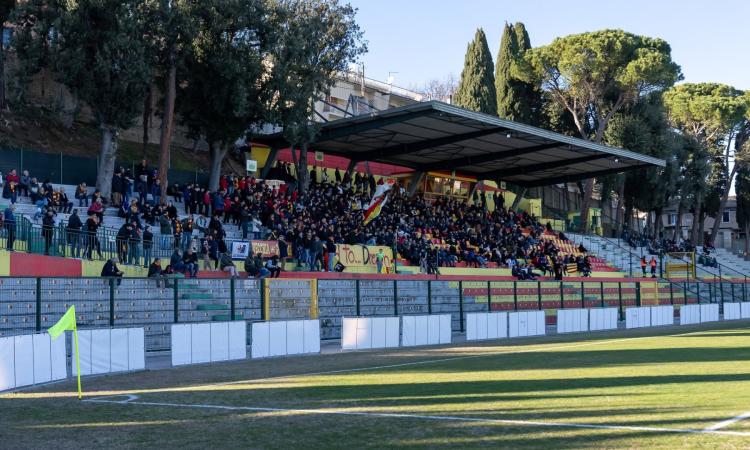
(725, 217)
(672, 219)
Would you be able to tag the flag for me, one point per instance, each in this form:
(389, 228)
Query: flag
(378, 201)
(68, 323)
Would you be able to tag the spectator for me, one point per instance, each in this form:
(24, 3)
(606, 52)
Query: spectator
(123, 240)
(165, 229)
(205, 251)
(48, 230)
(227, 265)
(60, 200)
(73, 230)
(148, 244)
(92, 241)
(82, 195)
(10, 190)
(176, 261)
(187, 232)
(24, 183)
(110, 270)
(191, 263)
(330, 253)
(134, 243)
(272, 265)
(118, 188)
(9, 222)
(249, 265)
(156, 192)
(155, 271)
(379, 258)
(97, 209)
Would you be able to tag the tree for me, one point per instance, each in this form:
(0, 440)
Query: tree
(709, 114)
(224, 88)
(476, 90)
(94, 48)
(441, 90)
(171, 34)
(594, 75)
(320, 39)
(742, 190)
(643, 128)
(6, 7)
(517, 99)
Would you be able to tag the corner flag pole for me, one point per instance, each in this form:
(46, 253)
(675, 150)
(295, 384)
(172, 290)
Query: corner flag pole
(78, 359)
(68, 323)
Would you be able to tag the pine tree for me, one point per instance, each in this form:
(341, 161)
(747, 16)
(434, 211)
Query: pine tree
(476, 91)
(517, 100)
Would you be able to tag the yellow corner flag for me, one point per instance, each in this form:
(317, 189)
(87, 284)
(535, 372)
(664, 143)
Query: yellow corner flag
(68, 323)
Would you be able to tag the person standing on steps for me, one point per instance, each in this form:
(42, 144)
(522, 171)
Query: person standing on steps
(643, 265)
(652, 263)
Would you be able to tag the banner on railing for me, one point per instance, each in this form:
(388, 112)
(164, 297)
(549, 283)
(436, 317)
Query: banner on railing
(241, 249)
(364, 256)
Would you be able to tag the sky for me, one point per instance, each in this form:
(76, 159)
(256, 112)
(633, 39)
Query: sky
(421, 40)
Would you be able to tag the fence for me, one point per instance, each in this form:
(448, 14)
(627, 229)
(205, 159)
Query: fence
(33, 304)
(72, 170)
(31, 238)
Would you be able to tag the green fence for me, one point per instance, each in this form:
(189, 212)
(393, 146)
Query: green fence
(33, 304)
(72, 170)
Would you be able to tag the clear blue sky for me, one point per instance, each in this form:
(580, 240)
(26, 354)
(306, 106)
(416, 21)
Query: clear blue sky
(427, 39)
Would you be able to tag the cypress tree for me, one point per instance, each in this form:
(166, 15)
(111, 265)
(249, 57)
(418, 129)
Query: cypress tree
(522, 37)
(476, 91)
(516, 100)
(506, 97)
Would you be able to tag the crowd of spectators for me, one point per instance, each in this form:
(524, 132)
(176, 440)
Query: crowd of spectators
(431, 234)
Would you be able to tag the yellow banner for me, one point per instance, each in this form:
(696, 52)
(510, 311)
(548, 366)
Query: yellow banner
(364, 256)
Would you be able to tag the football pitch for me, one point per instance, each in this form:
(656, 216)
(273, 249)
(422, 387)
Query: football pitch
(676, 387)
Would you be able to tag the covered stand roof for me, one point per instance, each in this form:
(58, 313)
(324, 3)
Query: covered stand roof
(437, 136)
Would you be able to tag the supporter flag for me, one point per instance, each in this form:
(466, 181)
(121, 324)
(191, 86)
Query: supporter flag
(68, 323)
(378, 201)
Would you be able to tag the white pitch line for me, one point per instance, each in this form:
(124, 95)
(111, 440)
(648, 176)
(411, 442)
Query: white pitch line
(728, 422)
(132, 400)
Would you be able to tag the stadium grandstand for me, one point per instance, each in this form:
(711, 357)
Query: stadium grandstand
(218, 231)
(428, 208)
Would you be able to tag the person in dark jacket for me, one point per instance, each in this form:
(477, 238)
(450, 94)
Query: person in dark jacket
(110, 270)
(148, 244)
(123, 238)
(92, 241)
(74, 233)
(190, 260)
(155, 271)
(48, 230)
(273, 267)
(117, 189)
(176, 261)
(9, 222)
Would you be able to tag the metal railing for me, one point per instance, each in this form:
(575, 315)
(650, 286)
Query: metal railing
(720, 286)
(33, 238)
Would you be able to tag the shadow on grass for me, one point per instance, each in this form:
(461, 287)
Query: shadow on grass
(575, 359)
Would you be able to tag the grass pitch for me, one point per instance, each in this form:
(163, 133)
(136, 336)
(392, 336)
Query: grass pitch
(677, 387)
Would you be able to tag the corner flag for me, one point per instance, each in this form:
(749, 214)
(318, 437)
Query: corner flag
(68, 323)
